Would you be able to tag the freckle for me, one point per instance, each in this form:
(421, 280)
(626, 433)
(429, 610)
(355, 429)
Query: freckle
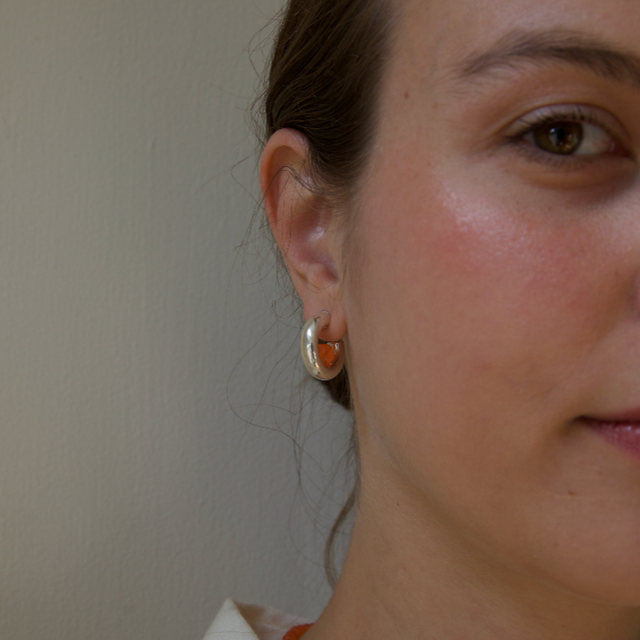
(406, 95)
(572, 493)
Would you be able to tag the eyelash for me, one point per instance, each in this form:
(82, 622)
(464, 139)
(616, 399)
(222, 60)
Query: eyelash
(575, 114)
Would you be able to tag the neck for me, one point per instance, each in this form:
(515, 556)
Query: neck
(406, 576)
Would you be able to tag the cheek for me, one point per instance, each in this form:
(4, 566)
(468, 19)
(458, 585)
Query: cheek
(475, 329)
(481, 314)
(486, 287)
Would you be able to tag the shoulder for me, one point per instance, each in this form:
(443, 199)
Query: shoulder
(238, 621)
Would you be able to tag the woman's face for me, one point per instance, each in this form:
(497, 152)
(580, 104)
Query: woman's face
(493, 293)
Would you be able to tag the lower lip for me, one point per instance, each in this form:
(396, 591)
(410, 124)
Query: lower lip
(623, 434)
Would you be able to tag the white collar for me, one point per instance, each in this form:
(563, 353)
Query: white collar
(237, 621)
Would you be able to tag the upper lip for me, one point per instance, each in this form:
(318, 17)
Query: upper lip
(630, 415)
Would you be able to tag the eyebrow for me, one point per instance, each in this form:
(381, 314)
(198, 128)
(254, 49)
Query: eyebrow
(554, 46)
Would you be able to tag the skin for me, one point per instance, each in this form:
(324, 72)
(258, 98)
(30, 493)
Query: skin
(489, 299)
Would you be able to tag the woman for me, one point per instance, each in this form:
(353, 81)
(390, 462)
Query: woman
(454, 186)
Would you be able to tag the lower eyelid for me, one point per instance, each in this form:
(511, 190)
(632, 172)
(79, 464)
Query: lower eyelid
(566, 172)
(554, 161)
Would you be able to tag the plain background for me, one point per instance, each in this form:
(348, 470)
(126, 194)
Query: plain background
(149, 378)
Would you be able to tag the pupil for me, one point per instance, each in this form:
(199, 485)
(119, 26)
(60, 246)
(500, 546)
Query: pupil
(559, 137)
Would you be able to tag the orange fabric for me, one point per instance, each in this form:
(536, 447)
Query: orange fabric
(297, 632)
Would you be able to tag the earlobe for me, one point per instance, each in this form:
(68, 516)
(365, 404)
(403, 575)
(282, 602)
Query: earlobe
(304, 226)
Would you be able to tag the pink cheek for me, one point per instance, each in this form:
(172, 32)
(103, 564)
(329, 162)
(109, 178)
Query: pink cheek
(495, 289)
(480, 255)
(517, 256)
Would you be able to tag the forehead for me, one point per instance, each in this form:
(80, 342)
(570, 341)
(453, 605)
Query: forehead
(435, 37)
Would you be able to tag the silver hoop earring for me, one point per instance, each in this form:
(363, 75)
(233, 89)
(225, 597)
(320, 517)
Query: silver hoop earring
(322, 361)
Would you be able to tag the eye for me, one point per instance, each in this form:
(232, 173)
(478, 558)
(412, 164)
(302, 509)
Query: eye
(571, 130)
(570, 138)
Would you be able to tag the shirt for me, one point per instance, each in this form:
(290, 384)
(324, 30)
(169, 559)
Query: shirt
(237, 621)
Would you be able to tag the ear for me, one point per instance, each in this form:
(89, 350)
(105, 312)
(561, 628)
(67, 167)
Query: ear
(306, 228)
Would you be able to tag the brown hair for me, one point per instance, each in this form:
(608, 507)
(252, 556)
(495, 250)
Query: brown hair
(324, 80)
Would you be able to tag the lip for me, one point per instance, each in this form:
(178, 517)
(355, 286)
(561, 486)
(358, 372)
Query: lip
(621, 430)
(630, 415)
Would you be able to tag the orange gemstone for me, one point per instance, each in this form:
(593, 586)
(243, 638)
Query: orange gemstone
(297, 632)
(329, 353)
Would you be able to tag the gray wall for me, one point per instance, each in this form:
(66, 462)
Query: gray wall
(133, 499)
